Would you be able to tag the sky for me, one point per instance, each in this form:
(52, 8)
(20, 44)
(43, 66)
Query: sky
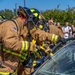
(41, 5)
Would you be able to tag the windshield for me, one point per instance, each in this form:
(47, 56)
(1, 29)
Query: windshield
(62, 63)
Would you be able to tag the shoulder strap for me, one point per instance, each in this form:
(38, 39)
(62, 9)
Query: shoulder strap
(15, 24)
(1, 51)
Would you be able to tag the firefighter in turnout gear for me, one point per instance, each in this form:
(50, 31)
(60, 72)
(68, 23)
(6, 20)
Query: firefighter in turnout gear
(14, 46)
(36, 33)
(39, 34)
(56, 30)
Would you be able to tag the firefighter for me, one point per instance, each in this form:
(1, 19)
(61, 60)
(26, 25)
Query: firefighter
(13, 45)
(41, 24)
(38, 35)
(56, 30)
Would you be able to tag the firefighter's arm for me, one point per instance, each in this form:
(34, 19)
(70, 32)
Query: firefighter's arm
(54, 38)
(12, 41)
(41, 35)
(38, 35)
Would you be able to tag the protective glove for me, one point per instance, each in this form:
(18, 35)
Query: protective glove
(42, 36)
(32, 46)
(39, 35)
(61, 40)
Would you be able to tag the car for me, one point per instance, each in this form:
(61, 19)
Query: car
(62, 63)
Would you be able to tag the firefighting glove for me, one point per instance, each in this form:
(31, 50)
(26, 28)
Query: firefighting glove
(39, 35)
(61, 40)
(42, 36)
(32, 46)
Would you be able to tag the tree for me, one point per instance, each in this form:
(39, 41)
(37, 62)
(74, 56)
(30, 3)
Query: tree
(7, 13)
(61, 15)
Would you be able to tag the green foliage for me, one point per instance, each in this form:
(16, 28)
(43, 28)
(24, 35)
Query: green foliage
(61, 15)
(7, 13)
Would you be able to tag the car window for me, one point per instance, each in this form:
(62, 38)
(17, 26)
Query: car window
(62, 63)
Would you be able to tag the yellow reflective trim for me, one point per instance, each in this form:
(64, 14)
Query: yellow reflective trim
(32, 10)
(53, 38)
(23, 48)
(35, 14)
(23, 56)
(4, 73)
(56, 38)
(39, 17)
(26, 45)
(41, 47)
(51, 54)
(34, 41)
(41, 26)
(34, 63)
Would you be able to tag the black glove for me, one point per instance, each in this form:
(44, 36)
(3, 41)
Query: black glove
(61, 40)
